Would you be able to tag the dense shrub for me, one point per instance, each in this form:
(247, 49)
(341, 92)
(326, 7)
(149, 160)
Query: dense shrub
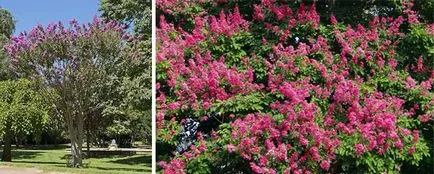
(288, 93)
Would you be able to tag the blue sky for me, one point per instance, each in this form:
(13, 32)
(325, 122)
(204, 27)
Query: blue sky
(29, 13)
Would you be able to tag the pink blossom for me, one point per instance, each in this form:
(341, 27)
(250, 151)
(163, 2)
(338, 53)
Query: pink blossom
(231, 148)
(359, 149)
(409, 83)
(424, 118)
(411, 150)
(325, 165)
(333, 20)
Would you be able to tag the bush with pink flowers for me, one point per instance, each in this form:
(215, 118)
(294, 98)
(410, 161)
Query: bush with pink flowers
(280, 91)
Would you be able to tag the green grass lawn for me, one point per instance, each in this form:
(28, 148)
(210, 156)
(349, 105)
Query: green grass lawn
(53, 159)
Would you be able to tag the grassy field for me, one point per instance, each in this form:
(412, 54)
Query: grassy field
(53, 159)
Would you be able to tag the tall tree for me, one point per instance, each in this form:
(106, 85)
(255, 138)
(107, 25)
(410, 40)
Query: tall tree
(131, 109)
(75, 62)
(23, 110)
(7, 23)
(134, 13)
(7, 26)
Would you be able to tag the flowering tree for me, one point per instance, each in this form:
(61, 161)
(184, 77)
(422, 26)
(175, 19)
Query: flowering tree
(293, 95)
(76, 62)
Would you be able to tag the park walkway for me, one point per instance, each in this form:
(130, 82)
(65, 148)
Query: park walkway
(12, 170)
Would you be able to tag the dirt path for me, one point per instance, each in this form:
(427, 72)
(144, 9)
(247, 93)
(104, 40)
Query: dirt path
(12, 170)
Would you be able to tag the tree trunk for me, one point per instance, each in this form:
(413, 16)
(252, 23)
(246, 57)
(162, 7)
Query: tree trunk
(17, 142)
(7, 149)
(75, 129)
(76, 154)
(88, 143)
(76, 148)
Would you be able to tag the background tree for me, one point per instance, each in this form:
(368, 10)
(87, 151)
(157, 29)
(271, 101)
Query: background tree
(351, 12)
(362, 11)
(130, 103)
(23, 111)
(7, 26)
(134, 13)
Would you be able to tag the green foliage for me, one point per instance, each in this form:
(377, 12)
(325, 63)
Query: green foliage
(129, 104)
(126, 100)
(425, 9)
(134, 13)
(243, 104)
(7, 26)
(23, 107)
(417, 43)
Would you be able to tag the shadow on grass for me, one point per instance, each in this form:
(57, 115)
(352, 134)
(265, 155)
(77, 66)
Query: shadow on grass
(63, 165)
(120, 169)
(17, 155)
(134, 160)
(100, 156)
(35, 156)
(45, 147)
(42, 162)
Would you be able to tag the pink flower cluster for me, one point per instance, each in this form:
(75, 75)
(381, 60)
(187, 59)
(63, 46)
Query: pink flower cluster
(173, 6)
(228, 25)
(313, 115)
(56, 32)
(273, 149)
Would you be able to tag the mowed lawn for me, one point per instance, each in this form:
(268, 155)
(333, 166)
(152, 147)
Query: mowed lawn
(52, 159)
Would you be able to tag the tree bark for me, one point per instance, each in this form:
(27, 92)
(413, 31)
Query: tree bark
(88, 143)
(17, 142)
(75, 129)
(76, 154)
(7, 149)
(76, 147)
